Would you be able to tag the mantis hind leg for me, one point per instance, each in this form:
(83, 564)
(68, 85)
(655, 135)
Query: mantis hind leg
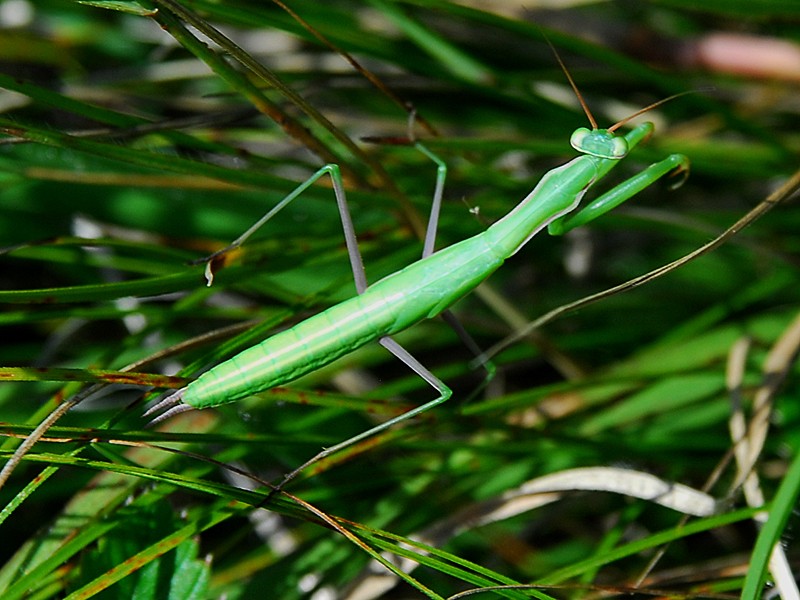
(418, 368)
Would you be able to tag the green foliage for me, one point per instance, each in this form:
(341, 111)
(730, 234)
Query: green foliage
(138, 136)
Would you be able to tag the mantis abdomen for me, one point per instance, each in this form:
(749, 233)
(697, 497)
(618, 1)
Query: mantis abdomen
(420, 291)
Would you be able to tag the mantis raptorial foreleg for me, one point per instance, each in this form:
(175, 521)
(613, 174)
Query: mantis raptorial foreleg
(672, 165)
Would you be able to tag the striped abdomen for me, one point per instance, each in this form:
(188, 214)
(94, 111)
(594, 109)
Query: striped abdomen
(421, 290)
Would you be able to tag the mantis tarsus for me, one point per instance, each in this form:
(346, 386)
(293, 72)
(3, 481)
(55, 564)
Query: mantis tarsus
(423, 289)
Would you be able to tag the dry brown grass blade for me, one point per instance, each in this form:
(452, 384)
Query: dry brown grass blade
(749, 440)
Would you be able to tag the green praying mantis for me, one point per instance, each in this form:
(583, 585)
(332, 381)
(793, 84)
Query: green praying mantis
(425, 288)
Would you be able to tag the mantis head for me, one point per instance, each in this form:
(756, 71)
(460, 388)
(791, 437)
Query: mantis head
(602, 143)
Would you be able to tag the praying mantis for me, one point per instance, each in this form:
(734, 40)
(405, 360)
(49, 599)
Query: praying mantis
(425, 288)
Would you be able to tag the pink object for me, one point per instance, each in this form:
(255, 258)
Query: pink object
(746, 55)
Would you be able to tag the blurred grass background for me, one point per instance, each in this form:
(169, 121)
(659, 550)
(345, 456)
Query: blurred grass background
(133, 143)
